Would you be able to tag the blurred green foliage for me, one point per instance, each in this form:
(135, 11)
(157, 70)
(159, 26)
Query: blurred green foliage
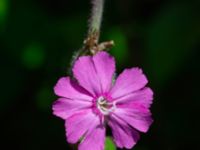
(172, 35)
(4, 4)
(38, 38)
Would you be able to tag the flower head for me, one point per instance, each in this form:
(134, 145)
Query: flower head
(93, 101)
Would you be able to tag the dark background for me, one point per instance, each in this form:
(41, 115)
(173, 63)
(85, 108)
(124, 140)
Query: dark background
(38, 38)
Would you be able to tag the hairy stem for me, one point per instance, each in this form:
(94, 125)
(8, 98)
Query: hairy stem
(91, 43)
(96, 18)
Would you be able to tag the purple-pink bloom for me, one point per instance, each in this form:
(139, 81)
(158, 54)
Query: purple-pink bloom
(94, 100)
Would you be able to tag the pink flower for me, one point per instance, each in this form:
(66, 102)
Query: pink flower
(95, 101)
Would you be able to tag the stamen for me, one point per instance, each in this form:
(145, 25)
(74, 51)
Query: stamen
(104, 106)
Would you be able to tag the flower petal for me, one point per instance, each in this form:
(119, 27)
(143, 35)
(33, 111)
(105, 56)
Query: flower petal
(64, 107)
(79, 124)
(123, 135)
(94, 140)
(138, 117)
(71, 90)
(129, 80)
(95, 73)
(105, 68)
(134, 109)
(85, 72)
(143, 97)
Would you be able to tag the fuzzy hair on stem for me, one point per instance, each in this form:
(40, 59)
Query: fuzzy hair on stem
(96, 17)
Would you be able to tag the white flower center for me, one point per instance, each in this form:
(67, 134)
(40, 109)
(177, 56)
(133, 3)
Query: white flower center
(104, 106)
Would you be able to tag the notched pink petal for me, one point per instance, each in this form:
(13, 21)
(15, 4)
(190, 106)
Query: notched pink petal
(79, 124)
(129, 80)
(123, 135)
(68, 88)
(139, 119)
(105, 68)
(142, 97)
(85, 72)
(64, 107)
(94, 139)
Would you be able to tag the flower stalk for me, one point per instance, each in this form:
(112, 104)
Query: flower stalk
(91, 43)
(96, 18)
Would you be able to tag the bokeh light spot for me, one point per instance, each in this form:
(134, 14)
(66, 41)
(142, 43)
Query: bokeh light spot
(33, 56)
(3, 11)
(45, 98)
(120, 50)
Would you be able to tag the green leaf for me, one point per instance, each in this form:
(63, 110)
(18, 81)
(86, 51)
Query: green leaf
(109, 144)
